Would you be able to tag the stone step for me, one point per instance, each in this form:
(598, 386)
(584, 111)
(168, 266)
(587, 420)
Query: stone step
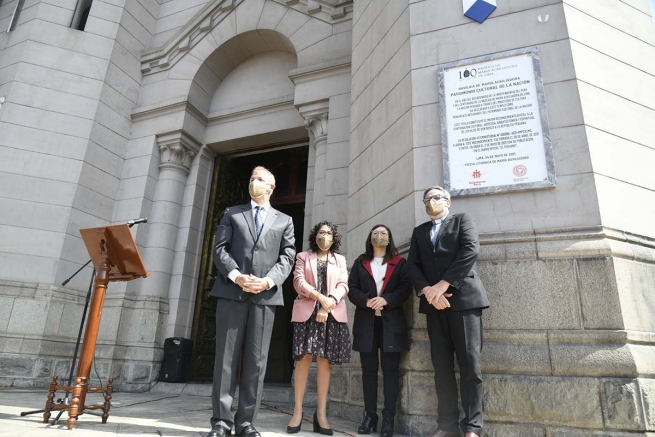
(273, 393)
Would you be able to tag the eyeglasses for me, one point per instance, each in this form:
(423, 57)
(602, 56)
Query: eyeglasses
(437, 198)
(325, 233)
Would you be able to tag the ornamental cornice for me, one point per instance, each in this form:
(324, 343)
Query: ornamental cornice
(330, 11)
(163, 58)
(176, 151)
(186, 38)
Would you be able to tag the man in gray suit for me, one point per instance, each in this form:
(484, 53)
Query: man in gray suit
(254, 252)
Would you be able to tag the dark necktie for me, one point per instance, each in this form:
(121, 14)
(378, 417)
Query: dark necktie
(258, 220)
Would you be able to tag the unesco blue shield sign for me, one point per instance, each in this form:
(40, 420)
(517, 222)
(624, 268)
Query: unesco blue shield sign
(479, 10)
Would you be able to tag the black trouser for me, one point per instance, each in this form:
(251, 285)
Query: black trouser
(390, 375)
(244, 330)
(457, 333)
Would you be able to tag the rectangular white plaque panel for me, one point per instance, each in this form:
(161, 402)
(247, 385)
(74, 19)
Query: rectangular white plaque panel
(494, 125)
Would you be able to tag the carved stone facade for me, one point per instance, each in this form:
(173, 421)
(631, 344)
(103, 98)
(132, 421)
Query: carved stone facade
(127, 119)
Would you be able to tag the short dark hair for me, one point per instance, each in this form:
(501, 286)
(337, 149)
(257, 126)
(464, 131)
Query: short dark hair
(336, 237)
(438, 188)
(391, 248)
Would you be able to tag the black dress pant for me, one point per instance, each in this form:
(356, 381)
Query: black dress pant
(457, 333)
(390, 375)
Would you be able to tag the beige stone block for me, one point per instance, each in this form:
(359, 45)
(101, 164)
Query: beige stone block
(273, 39)
(291, 22)
(100, 27)
(271, 15)
(631, 166)
(647, 389)
(545, 399)
(392, 108)
(521, 352)
(617, 44)
(513, 286)
(310, 33)
(27, 241)
(59, 80)
(337, 46)
(6, 304)
(599, 294)
(39, 165)
(503, 430)
(46, 120)
(394, 14)
(633, 199)
(381, 55)
(364, 16)
(620, 399)
(337, 155)
(34, 215)
(637, 305)
(393, 72)
(93, 203)
(384, 152)
(28, 316)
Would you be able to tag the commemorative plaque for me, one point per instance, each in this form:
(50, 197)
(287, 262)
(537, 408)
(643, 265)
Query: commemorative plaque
(494, 125)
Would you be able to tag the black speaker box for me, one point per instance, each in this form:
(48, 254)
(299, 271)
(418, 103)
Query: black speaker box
(177, 360)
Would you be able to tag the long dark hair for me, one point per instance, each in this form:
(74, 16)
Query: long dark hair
(391, 248)
(336, 237)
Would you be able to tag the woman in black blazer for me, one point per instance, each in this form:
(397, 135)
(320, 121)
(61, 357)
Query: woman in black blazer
(379, 286)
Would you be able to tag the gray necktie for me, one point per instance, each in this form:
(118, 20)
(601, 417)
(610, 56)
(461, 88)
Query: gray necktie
(434, 234)
(258, 221)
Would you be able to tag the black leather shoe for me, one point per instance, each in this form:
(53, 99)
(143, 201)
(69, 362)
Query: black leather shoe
(318, 429)
(249, 431)
(219, 431)
(370, 422)
(387, 427)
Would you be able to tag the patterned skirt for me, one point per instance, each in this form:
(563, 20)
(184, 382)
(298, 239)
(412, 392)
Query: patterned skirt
(329, 340)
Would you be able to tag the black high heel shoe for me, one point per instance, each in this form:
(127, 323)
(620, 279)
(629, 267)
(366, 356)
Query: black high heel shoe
(318, 429)
(294, 429)
(370, 422)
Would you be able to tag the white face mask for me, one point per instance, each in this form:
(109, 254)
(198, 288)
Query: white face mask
(257, 188)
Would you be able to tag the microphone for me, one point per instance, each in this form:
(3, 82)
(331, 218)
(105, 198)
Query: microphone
(137, 221)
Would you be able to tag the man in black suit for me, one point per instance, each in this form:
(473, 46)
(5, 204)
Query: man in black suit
(444, 274)
(254, 252)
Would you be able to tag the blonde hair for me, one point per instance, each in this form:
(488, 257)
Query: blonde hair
(265, 170)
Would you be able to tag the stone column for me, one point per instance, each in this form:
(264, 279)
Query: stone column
(317, 124)
(176, 152)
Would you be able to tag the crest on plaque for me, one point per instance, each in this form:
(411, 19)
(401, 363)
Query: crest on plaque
(479, 10)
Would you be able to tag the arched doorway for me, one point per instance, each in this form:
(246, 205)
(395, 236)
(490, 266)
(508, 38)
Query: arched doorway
(289, 165)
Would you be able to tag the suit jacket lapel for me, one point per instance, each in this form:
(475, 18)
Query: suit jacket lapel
(428, 228)
(271, 216)
(247, 214)
(313, 264)
(367, 266)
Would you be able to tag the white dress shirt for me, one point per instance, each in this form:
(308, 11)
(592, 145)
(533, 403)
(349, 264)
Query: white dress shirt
(379, 271)
(263, 212)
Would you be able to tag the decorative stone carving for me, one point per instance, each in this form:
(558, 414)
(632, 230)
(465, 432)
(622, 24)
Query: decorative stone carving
(210, 16)
(176, 151)
(317, 126)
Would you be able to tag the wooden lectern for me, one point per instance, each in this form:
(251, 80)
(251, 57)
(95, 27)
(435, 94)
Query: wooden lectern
(115, 258)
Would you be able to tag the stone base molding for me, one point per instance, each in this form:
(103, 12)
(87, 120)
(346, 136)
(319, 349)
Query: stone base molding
(39, 329)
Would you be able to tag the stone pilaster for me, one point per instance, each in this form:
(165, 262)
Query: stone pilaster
(316, 118)
(176, 151)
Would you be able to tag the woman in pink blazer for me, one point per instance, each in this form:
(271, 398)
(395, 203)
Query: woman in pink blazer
(320, 321)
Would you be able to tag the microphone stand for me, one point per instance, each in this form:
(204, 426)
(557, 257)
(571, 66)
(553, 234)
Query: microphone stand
(66, 400)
